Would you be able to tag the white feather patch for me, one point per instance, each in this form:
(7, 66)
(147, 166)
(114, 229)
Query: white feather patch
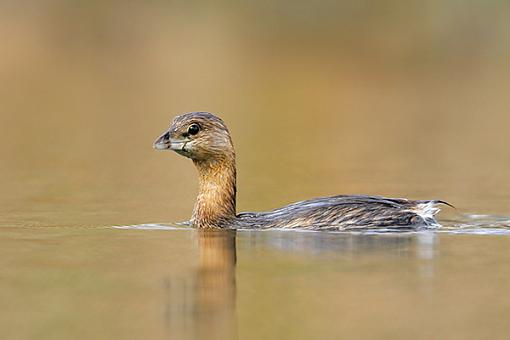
(427, 211)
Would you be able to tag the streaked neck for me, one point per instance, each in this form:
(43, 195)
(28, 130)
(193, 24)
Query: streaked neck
(216, 200)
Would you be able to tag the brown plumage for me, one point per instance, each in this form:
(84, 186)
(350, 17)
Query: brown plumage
(205, 139)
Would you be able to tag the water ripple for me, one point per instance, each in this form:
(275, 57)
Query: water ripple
(476, 224)
(156, 226)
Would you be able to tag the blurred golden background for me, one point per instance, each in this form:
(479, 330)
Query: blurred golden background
(397, 98)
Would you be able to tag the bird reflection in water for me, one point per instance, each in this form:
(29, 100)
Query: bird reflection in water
(203, 305)
(205, 308)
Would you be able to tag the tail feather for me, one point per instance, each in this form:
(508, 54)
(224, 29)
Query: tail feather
(436, 202)
(428, 209)
(445, 203)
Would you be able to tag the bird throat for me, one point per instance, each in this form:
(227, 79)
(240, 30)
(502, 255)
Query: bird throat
(216, 201)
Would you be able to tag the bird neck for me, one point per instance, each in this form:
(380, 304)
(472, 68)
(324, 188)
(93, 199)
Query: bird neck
(216, 200)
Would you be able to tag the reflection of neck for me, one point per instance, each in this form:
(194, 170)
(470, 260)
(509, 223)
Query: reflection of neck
(214, 307)
(217, 250)
(216, 200)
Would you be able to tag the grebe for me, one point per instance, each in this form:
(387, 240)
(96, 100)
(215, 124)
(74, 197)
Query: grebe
(205, 139)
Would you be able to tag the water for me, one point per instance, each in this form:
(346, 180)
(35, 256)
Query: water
(131, 283)
(408, 99)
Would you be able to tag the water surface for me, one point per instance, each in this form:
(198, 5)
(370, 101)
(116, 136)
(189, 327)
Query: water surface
(124, 283)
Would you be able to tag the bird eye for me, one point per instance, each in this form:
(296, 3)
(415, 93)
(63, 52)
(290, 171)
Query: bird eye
(193, 129)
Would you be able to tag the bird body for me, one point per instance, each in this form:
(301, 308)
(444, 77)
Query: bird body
(348, 212)
(205, 139)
